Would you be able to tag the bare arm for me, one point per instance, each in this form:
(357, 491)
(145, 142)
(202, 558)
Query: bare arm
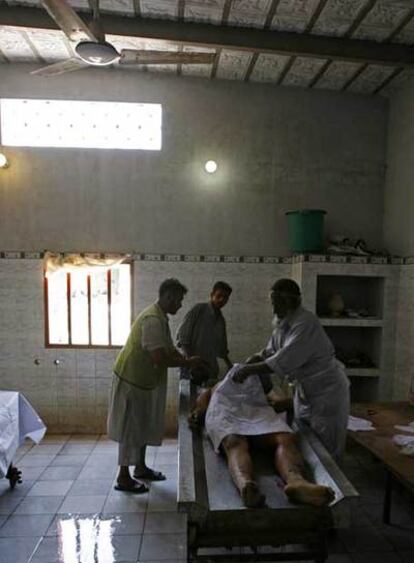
(172, 358)
(279, 402)
(254, 359)
(157, 342)
(244, 371)
(198, 413)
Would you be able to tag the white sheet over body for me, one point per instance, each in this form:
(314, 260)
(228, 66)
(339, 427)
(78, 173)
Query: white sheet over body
(18, 420)
(241, 408)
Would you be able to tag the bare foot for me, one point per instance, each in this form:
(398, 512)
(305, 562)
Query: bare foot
(303, 492)
(251, 495)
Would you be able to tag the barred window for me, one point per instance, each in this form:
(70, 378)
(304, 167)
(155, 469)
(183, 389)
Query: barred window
(88, 308)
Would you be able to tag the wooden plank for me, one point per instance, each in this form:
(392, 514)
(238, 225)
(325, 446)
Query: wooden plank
(186, 494)
(68, 21)
(223, 495)
(239, 38)
(325, 471)
(384, 417)
(148, 57)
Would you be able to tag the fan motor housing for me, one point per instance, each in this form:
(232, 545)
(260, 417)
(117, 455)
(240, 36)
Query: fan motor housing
(99, 54)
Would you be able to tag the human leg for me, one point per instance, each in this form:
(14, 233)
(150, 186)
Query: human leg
(240, 466)
(290, 466)
(127, 455)
(142, 471)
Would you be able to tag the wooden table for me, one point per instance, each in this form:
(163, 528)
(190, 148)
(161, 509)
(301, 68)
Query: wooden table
(384, 417)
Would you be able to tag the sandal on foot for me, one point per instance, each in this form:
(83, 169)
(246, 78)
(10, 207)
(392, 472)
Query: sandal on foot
(150, 475)
(133, 487)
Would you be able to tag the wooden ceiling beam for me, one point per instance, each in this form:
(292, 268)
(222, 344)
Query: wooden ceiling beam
(268, 22)
(361, 15)
(248, 39)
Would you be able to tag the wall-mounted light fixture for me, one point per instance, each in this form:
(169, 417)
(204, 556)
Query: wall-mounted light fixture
(211, 166)
(4, 163)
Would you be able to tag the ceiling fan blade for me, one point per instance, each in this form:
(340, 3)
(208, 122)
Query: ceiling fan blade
(61, 67)
(144, 57)
(68, 20)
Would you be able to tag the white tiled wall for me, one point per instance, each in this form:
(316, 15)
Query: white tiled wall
(72, 396)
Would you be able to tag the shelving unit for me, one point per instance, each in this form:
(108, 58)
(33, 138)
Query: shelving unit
(360, 294)
(362, 372)
(342, 321)
(365, 331)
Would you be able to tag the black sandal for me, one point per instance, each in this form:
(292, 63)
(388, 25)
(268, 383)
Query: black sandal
(133, 487)
(150, 475)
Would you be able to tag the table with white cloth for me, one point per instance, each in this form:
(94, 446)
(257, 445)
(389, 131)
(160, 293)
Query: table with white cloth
(18, 421)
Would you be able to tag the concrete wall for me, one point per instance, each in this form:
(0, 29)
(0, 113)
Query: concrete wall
(398, 226)
(277, 149)
(404, 337)
(399, 184)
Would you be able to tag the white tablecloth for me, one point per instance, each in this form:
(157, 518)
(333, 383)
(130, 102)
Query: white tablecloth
(241, 408)
(18, 420)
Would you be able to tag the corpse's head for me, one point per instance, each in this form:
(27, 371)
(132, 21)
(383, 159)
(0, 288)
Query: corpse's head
(170, 295)
(285, 297)
(220, 294)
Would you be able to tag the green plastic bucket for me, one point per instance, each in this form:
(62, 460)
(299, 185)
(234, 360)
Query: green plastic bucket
(305, 230)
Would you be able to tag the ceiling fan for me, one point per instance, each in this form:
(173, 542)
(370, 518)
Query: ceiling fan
(92, 49)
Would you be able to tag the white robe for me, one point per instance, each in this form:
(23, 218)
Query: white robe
(241, 408)
(300, 349)
(136, 416)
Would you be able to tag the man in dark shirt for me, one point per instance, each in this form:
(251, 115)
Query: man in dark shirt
(203, 333)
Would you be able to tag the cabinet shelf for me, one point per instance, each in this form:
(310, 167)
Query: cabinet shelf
(362, 372)
(358, 293)
(351, 322)
(363, 337)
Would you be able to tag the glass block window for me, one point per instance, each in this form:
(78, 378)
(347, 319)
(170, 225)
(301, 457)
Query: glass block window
(68, 123)
(88, 308)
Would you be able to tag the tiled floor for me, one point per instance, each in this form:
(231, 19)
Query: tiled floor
(67, 511)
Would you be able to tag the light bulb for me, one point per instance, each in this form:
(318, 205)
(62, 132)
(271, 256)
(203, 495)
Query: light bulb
(210, 166)
(3, 161)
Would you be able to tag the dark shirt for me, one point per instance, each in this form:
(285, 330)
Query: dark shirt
(203, 333)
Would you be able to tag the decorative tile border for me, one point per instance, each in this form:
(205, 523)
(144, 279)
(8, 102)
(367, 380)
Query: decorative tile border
(351, 259)
(191, 258)
(338, 259)
(295, 259)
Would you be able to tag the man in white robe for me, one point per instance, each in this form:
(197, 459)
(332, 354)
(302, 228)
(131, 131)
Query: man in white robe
(300, 350)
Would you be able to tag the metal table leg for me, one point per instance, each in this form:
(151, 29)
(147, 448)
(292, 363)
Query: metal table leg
(386, 513)
(14, 476)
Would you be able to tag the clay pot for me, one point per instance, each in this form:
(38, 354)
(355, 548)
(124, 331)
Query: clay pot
(336, 305)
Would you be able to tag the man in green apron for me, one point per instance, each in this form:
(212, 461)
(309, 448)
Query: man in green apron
(139, 387)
